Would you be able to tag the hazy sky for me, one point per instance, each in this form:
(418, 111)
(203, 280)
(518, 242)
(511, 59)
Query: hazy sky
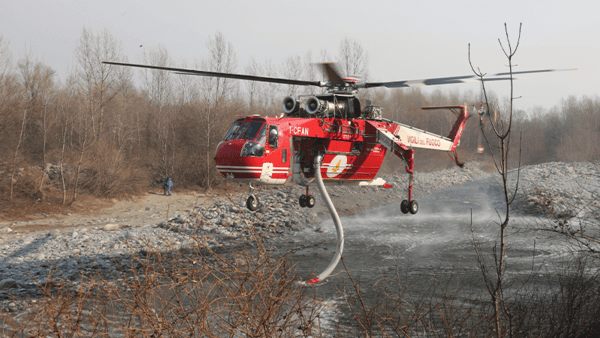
(405, 39)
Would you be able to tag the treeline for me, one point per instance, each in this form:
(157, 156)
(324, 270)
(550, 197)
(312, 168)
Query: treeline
(103, 131)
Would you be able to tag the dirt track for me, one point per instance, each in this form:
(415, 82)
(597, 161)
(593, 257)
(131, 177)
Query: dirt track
(154, 207)
(138, 211)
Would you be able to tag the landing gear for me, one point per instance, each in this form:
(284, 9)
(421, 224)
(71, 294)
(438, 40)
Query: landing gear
(310, 201)
(252, 201)
(409, 205)
(413, 207)
(307, 200)
(302, 201)
(404, 207)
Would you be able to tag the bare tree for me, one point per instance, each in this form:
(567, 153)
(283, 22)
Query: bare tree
(293, 68)
(98, 85)
(9, 95)
(310, 72)
(253, 87)
(16, 154)
(5, 59)
(65, 103)
(187, 88)
(502, 132)
(269, 92)
(38, 84)
(222, 58)
(353, 59)
(158, 86)
(82, 125)
(99, 82)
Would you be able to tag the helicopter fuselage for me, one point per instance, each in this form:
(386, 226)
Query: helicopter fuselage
(351, 153)
(272, 151)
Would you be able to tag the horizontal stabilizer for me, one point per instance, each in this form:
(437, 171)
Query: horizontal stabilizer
(379, 182)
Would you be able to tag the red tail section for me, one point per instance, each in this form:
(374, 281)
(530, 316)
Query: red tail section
(459, 125)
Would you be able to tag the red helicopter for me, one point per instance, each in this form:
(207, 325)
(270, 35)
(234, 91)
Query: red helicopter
(327, 139)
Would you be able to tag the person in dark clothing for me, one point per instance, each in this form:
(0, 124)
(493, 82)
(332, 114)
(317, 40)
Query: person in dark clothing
(167, 184)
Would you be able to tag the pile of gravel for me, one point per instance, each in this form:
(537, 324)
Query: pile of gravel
(557, 189)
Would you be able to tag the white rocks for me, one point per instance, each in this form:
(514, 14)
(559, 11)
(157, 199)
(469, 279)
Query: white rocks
(557, 188)
(5, 230)
(111, 227)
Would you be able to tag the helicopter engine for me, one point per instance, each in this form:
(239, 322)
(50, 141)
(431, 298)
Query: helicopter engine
(315, 105)
(290, 105)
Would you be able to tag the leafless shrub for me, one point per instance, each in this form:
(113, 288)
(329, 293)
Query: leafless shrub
(563, 303)
(111, 174)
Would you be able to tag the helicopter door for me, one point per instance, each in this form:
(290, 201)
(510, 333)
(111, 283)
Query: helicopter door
(267, 171)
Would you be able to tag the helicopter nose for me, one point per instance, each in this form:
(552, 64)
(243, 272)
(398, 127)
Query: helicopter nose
(227, 151)
(230, 163)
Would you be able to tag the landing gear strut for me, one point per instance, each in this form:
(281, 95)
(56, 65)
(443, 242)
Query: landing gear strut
(409, 205)
(252, 201)
(307, 200)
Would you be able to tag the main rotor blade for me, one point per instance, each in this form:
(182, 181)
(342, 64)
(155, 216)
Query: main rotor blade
(431, 82)
(331, 72)
(184, 71)
(454, 79)
(535, 71)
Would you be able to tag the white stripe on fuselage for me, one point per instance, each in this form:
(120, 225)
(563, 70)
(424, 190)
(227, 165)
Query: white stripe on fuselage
(226, 167)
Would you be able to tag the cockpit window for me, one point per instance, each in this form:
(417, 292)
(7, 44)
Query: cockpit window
(232, 130)
(240, 131)
(246, 130)
(262, 136)
(252, 130)
(273, 136)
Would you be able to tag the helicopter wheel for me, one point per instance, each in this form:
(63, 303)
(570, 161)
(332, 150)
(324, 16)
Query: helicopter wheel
(310, 201)
(404, 207)
(252, 203)
(302, 201)
(413, 207)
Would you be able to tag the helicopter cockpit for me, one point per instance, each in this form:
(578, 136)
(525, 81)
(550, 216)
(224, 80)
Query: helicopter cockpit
(254, 131)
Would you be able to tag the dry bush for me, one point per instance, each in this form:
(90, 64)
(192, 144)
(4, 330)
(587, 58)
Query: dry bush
(25, 180)
(561, 303)
(565, 304)
(111, 173)
(394, 308)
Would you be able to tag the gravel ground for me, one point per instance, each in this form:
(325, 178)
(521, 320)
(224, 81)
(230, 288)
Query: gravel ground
(100, 246)
(557, 189)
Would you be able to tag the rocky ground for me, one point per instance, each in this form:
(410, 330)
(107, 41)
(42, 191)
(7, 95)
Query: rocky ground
(558, 190)
(72, 246)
